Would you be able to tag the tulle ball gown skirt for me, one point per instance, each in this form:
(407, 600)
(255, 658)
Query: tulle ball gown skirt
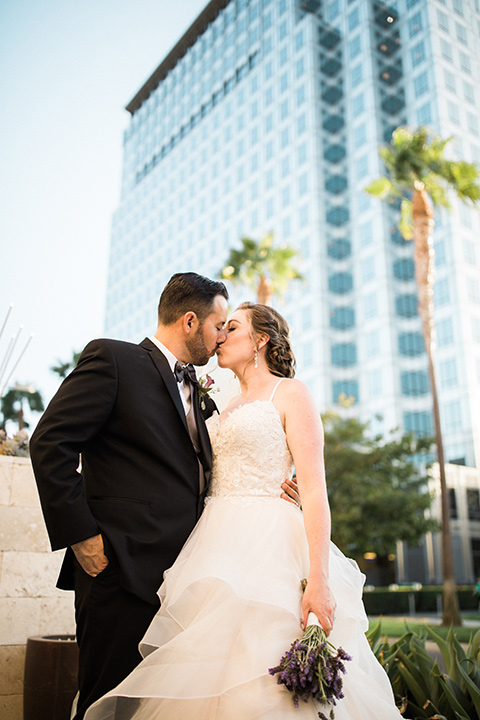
(231, 607)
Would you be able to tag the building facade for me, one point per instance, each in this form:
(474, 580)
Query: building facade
(267, 116)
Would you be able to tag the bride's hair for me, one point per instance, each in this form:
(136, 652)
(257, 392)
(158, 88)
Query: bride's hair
(267, 321)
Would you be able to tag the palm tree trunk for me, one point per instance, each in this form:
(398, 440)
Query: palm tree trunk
(264, 291)
(424, 270)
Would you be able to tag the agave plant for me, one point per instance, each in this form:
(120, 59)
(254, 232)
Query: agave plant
(421, 687)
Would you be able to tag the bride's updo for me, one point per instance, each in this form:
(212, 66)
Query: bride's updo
(267, 321)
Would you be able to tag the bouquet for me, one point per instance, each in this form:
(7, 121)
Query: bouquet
(313, 668)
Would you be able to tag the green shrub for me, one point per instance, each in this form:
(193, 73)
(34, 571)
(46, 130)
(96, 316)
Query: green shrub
(384, 601)
(421, 688)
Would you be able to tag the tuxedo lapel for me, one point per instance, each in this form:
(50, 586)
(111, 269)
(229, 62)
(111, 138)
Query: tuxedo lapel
(161, 363)
(206, 448)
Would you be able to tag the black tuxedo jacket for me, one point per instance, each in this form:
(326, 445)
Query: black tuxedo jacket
(121, 410)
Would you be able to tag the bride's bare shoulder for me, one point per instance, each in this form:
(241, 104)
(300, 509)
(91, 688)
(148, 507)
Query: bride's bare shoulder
(293, 390)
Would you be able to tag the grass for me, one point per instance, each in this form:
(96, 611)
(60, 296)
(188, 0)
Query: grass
(395, 627)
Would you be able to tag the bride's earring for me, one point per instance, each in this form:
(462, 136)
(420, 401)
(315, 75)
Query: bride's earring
(256, 358)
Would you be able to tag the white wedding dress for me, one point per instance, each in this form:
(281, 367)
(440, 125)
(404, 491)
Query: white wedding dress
(231, 603)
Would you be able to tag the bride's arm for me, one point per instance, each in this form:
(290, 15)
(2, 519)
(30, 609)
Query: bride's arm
(304, 432)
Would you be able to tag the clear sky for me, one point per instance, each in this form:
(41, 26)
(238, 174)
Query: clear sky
(68, 68)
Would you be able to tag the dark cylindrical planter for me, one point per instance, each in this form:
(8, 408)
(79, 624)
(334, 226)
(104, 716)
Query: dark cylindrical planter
(51, 666)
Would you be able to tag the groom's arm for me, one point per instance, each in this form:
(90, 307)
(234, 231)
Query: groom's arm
(75, 416)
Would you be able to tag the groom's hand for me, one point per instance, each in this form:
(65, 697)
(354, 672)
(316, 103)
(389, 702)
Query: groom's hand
(290, 492)
(91, 556)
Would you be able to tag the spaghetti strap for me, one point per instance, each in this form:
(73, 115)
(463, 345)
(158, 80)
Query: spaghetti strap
(274, 390)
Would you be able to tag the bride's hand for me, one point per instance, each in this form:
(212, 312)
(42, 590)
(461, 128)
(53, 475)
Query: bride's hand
(320, 601)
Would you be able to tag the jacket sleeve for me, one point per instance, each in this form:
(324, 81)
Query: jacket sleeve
(75, 416)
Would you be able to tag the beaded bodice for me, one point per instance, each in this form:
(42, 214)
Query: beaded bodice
(250, 452)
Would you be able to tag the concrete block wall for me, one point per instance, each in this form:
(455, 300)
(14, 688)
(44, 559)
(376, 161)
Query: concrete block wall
(30, 604)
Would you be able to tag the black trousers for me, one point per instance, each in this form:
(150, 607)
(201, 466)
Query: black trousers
(110, 624)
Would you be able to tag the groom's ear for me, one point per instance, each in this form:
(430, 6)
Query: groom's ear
(190, 322)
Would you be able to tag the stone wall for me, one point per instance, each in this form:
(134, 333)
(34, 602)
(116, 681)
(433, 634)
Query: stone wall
(30, 605)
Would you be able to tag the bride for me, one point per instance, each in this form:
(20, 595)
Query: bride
(232, 603)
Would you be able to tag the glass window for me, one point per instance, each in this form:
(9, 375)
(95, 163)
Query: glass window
(458, 7)
(469, 252)
(448, 373)
(406, 305)
(419, 423)
(365, 233)
(410, 344)
(307, 317)
(344, 354)
(345, 387)
(442, 20)
(368, 269)
(370, 309)
(354, 47)
(301, 95)
(361, 167)
(333, 10)
(414, 383)
(449, 80)
(473, 289)
(338, 216)
(302, 153)
(404, 269)
(472, 123)
(473, 503)
(418, 53)
(356, 76)
(300, 67)
(415, 24)
(284, 138)
(372, 343)
(441, 292)
(339, 249)
(461, 33)
(283, 55)
(284, 110)
(303, 216)
(444, 329)
(303, 184)
(358, 104)
(342, 318)
(282, 30)
(452, 503)
(468, 92)
(283, 82)
(446, 50)
(452, 416)
(375, 383)
(340, 283)
(424, 114)
(299, 40)
(421, 84)
(360, 135)
(354, 19)
(465, 62)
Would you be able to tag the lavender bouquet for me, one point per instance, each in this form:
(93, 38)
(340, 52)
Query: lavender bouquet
(313, 668)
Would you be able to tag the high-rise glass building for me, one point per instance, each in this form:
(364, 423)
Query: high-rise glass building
(267, 116)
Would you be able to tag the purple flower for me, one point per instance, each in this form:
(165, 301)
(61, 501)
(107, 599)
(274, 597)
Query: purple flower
(312, 668)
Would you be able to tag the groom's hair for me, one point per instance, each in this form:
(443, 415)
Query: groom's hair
(186, 292)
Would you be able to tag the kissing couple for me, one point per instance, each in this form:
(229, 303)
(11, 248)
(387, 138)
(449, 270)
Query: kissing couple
(185, 541)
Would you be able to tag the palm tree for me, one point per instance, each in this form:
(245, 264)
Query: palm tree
(13, 402)
(64, 367)
(420, 176)
(262, 267)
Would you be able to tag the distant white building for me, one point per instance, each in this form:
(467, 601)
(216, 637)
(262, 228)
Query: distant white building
(267, 116)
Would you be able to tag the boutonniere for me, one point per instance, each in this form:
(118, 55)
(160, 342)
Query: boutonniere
(205, 388)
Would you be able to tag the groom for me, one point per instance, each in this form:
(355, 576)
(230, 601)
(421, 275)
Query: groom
(124, 415)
